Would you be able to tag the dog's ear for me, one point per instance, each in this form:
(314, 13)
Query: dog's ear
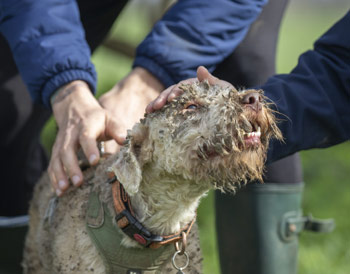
(131, 158)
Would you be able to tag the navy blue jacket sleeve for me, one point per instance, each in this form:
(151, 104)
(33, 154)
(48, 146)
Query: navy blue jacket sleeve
(194, 33)
(315, 96)
(48, 44)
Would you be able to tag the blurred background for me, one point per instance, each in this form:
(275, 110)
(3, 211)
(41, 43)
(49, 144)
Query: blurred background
(326, 171)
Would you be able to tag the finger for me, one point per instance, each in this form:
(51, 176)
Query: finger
(52, 178)
(149, 108)
(114, 131)
(57, 174)
(168, 95)
(204, 74)
(87, 141)
(160, 101)
(175, 92)
(111, 147)
(70, 162)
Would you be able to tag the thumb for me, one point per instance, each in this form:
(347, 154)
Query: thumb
(204, 74)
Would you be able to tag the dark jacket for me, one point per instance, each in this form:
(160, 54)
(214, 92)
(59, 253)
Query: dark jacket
(315, 97)
(49, 47)
(48, 44)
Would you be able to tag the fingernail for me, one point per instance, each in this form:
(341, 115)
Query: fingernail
(122, 136)
(62, 184)
(58, 192)
(75, 180)
(171, 97)
(92, 158)
(149, 108)
(157, 101)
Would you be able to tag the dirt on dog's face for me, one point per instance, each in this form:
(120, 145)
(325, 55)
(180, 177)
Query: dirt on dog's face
(212, 134)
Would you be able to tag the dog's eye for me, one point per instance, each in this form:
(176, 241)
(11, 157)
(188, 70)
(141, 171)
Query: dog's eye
(192, 106)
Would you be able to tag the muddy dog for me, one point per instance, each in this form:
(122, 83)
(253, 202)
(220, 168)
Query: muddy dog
(136, 204)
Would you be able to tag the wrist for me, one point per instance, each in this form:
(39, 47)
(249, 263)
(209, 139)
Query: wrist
(144, 77)
(74, 96)
(138, 85)
(66, 90)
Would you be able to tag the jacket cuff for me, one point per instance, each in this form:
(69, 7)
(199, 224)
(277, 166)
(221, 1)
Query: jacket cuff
(160, 73)
(64, 78)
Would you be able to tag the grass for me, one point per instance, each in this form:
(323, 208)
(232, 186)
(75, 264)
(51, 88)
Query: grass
(326, 172)
(327, 194)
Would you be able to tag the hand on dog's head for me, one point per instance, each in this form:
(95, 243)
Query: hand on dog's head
(208, 135)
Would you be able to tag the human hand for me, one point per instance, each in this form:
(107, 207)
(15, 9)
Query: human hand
(173, 91)
(81, 122)
(127, 100)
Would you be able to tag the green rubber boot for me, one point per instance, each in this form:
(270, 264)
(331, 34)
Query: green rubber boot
(12, 234)
(258, 229)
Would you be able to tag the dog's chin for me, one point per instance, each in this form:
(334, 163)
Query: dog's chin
(227, 172)
(252, 160)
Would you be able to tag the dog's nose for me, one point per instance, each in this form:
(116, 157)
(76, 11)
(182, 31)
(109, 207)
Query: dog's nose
(252, 100)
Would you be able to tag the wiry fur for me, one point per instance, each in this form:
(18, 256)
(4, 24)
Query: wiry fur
(170, 160)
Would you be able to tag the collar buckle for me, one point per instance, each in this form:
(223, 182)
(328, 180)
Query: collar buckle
(127, 222)
(135, 230)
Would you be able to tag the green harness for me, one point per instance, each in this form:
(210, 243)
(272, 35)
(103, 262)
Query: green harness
(107, 239)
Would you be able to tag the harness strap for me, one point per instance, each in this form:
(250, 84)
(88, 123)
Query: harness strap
(107, 239)
(128, 223)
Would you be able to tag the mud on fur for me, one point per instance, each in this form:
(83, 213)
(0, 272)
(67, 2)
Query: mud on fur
(210, 137)
(209, 125)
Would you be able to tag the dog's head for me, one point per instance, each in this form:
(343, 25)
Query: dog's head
(208, 135)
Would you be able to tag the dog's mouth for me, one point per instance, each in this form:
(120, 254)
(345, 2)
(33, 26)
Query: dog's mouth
(252, 138)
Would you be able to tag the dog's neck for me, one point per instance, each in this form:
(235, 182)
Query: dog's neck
(164, 204)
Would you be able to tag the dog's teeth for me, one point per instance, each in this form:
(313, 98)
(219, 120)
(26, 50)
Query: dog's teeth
(253, 134)
(257, 133)
(259, 129)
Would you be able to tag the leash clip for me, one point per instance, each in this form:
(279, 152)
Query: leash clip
(183, 244)
(180, 269)
(181, 252)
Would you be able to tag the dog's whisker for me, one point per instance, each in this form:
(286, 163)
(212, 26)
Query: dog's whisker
(210, 137)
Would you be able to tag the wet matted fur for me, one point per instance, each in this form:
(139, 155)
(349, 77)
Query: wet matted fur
(206, 138)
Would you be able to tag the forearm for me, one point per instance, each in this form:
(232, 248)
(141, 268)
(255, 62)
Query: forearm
(194, 33)
(48, 44)
(314, 99)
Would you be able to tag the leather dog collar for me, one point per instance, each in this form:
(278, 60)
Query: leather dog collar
(128, 223)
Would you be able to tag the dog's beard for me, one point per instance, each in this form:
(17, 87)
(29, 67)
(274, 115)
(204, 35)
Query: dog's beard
(229, 172)
(219, 142)
(225, 160)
